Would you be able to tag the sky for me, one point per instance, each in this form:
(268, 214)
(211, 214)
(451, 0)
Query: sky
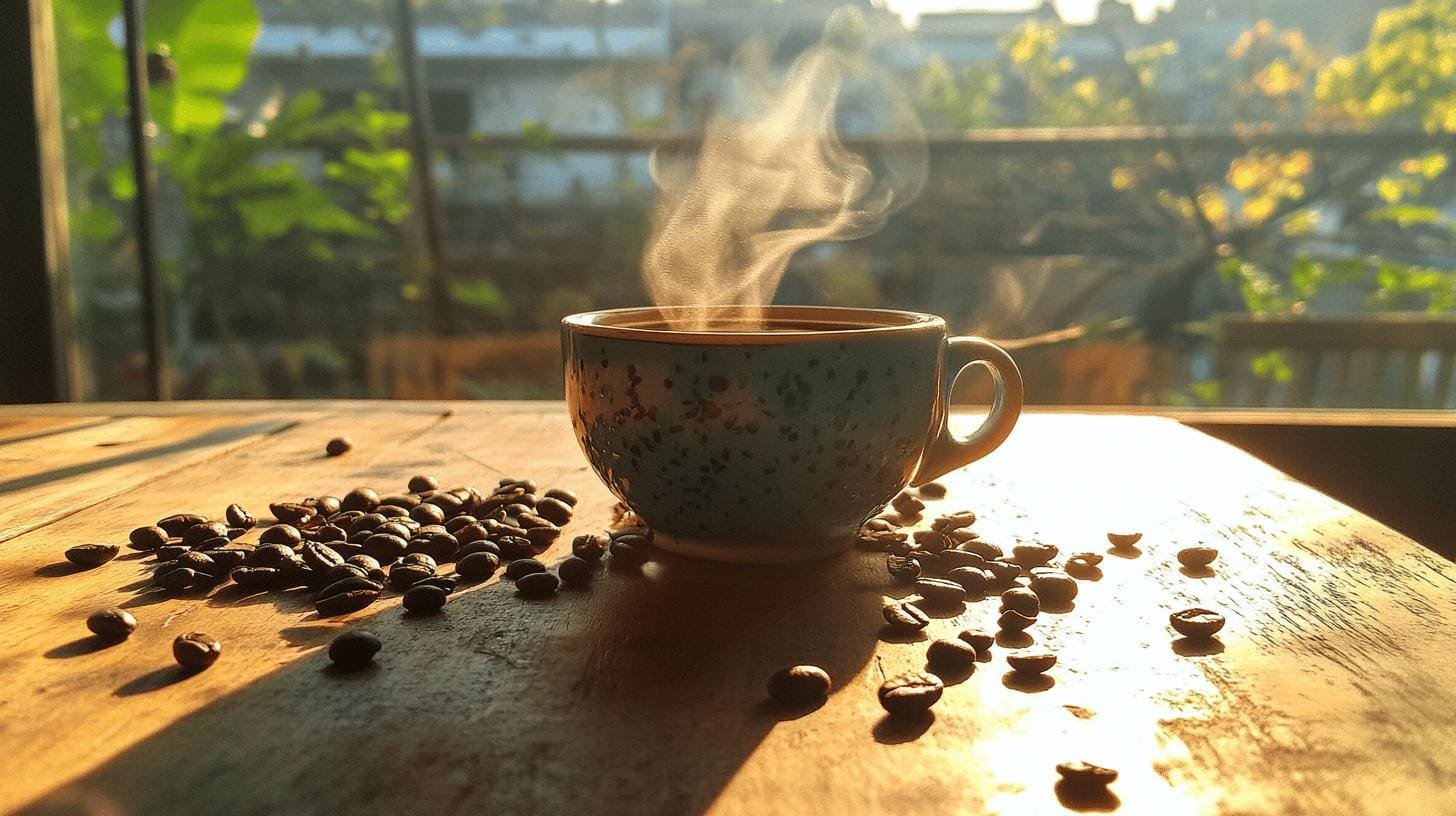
(1073, 11)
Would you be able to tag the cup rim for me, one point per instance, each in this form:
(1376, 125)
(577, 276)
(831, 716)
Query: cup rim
(839, 323)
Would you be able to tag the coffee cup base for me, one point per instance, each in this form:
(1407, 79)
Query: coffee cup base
(754, 552)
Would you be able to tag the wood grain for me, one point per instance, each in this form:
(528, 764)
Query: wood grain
(1329, 692)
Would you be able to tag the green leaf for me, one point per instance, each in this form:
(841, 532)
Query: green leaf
(210, 41)
(1407, 214)
(482, 294)
(1272, 365)
(121, 182)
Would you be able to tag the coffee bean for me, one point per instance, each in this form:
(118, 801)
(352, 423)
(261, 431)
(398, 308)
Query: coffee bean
(630, 551)
(528, 485)
(448, 583)
(555, 511)
(538, 584)
(360, 498)
(478, 546)
(91, 555)
(176, 525)
(1196, 623)
(338, 446)
(1124, 540)
(961, 535)
(799, 684)
(953, 521)
(342, 571)
(576, 572)
(197, 561)
(939, 592)
(562, 495)
(170, 552)
(1197, 557)
(147, 538)
(353, 650)
(1021, 599)
(257, 578)
(225, 560)
(403, 576)
(421, 559)
(1031, 662)
(423, 483)
(1091, 559)
(879, 540)
(910, 693)
(292, 572)
(268, 555)
(349, 583)
(427, 514)
(455, 525)
(439, 546)
(214, 543)
(1033, 555)
(448, 503)
(979, 640)
(905, 615)
(930, 541)
(424, 599)
(195, 651)
(973, 580)
(291, 513)
(325, 505)
(173, 578)
(344, 602)
(198, 533)
(955, 559)
(367, 522)
(1054, 588)
(1003, 574)
(903, 569)
(513, 547)
(1086, 777)
(112, 624)
(590, 546)
(477, 566)
(523, 566)
(644, 533)
(284, 534)
(395, 513)
(929, 562)
(320, 557)
(384, 547)
(1013, 621)
(933, 490)
(907, 505)
(949, 656)
(985, 549)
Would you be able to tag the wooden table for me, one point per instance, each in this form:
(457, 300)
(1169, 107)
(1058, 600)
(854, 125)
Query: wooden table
(1330, 692)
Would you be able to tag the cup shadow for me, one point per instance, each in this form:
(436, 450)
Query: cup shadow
(643, 694)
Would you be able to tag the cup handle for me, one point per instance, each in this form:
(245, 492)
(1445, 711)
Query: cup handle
(947, 451)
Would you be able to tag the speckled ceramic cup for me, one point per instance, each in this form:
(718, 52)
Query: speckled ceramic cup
(772, 441)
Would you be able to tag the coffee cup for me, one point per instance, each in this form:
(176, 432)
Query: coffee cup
(771, 434)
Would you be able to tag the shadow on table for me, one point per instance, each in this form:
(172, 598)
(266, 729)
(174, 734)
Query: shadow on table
(643, 693)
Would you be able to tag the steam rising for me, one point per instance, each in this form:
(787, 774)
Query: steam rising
(775, 177)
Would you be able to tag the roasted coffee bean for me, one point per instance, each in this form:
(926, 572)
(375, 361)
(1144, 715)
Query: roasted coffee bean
(630, 551)
(447, 502)
(455, 525)
(1031, 662)
(905, 615)
(198, 533)
(367, 521)
(91, 555)
(392, 511)
(1124, 540)
(285, 534)
(338, 446)
(345, 518)
(445, 582)
(538, 585)
(929, 562)
(555, 511)
(111, 624)
(955, 559)
(351, 583)
(513, 547)
(1003, 574)
(1021, 599)
(933, 490)
(973, 580)
(644, 533)
(226, 560)
(403, 504)
(320, 557)
(1033, 555)
(292, 513)
(939, 592)
(907, 505)
(174, 579)
(1054, 588)
(345, 602)
(486, 546)
(353, 650)
(1086, 777)
(178, 524)
(268, 555)
(799, 684)
(255, 577)
(530, 521)
(439, 546)
(949, 656)
(562, 495)
(590, 546)
(325, 505)
(523, 566)
(403, 576)
(196, 561)
(420, 559)
(360, 498)
(368, 563)
(1091, 559)
(170, 552)
(576, 572)
(385, 547)
(879, 525)
(478, 566)
(953, 521)
(979, 640)
(424, 599)
(342, 571)
(542, 538)
(214, 543)
(423, 483)
(985, 549)
(330, 533)
(879, 540)
(292, 572)
(1197, 557)
(147, 538)
(346, 549)
(427, 514)
(910, 693)
(903, 569)
(395, 528)
(1013, 621)
(930, 541)
(528, 485)
(195, 651)
(1196, 623)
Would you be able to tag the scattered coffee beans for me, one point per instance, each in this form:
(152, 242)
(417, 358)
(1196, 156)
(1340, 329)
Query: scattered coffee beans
(1031, 662)
(522, 567)
(1086, 777)
(1054, 588)
(1196, 623)
(147, 538)
(630, 550)
(176, 525)
(560, 494)
(423, 483)
(575, 572)
(1013, 621)
(478, 566)
(284, 534)
(354, 650)
(933, 490)
(938, 592)
(257, 578)
(1197, 557)
(948, 656)
(360, 498)
(902, 568)
(425, 599)
(953, 521)
(1124, 539)
(195, 651)
(345, 602)
(91, 555)
(112, 624)
(799, 684)
(1021, 599)
(905, 615)
(907, 505)
(973, 580)
(238, 517)
(338, 446)
(910, 693)
(981, 641)
(292, 513)
(590, 546)
(538, 585)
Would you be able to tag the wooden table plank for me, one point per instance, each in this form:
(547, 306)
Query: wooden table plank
(644, 693)
(18, 428)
